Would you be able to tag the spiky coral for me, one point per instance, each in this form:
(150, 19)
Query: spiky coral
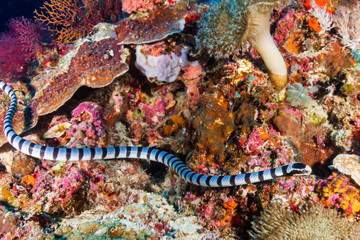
(76, 18)
(312, 222)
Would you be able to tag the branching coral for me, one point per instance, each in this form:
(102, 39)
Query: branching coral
(312, 222)
(18, 46)
(231, 23)
(75, 18)
(347, 23)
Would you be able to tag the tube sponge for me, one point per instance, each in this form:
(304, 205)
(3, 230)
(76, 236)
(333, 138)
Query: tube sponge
(230, 24)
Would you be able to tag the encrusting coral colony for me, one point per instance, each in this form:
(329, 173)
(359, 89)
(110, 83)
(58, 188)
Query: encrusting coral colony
(226, 88)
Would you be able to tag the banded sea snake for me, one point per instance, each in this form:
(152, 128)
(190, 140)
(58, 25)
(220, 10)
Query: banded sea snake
(86, 154)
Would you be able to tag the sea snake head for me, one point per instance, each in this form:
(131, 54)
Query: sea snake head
(298, 169)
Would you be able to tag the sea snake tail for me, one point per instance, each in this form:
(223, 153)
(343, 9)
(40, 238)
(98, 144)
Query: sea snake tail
(86, 154)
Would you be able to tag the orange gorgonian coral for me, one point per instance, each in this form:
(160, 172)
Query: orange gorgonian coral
(75, 18)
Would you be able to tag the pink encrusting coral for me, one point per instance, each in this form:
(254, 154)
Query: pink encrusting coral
(130, 6)
(87, 127)
(154, 112)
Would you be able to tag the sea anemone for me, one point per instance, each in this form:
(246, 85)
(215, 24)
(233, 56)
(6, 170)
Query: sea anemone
(230, 23)
(312, 221)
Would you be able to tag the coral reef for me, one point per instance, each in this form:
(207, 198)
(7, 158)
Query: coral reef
(336, 191)
(219, 114)
(85, 129)
(92, 63)
(152, 217)
(130, 6)
(311, 221)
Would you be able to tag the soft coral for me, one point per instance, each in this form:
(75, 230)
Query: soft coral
(18, 47)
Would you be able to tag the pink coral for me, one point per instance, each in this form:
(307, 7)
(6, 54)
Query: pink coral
(28, 33)
(154, 112)
(57, 192)
(18, 47)
(87, 127)
(139, 5)
(12, 57)
(254, 144)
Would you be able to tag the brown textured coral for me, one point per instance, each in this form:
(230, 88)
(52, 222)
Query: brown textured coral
(213, 123)
(95, 65)
(94, 62)
(312, 222)
(166, 20)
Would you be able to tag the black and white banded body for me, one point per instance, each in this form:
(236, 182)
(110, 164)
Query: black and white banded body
(87, 154)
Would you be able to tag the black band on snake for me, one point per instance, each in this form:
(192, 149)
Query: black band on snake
(87, 154)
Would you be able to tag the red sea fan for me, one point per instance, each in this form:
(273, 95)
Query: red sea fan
(12, 57)
(28, 33)
(18, 47)
(74, 19)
